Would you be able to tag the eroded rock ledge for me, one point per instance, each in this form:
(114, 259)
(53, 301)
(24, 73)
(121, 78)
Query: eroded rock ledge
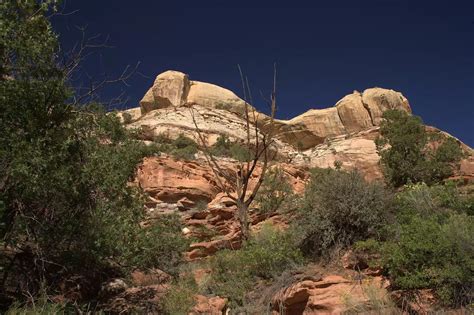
(353, 113)
(316, 138)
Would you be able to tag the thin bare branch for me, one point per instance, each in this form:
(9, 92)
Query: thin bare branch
(211, 161)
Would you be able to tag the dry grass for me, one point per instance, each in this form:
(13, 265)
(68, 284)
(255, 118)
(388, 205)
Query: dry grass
(377, 301)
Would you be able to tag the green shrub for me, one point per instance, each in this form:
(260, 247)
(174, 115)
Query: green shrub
(338, 209)
(179, 299)
(159, 245)
(378, 301)
(127, 118)
(240, 153)
(273, 193)
(428, 201)
(266, 256)
(43, 305)
(67, 209)
(433, 254)
(182, 148)
(431, 244)
(40, 307)
(224, 147)
(405, 155)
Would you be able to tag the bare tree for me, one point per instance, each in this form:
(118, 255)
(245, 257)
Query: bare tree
(236, 185)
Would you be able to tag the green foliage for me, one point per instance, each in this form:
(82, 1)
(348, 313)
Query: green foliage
(405, 155)
(437, 254)
(340, 208)
(179, 299)
(273, 193)
(224, 106)
(127, 118)
(266, 256)
(431, 244)
(224, 147)
(67, 210)
(43, 305)
(182, 147)
(42, 308)
(427, 201)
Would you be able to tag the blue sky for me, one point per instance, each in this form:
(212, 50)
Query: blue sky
(323, 49)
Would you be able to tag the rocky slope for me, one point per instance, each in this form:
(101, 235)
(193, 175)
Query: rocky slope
(317, 138)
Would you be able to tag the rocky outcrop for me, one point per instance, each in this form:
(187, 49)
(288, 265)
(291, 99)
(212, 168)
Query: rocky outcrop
(190, 188)
(209, 305)
(353, 113)
(377, 100)
(213, 96)
(357, 151)
(329, 294)
(169, 89)
(167, 180)
(316, 138)
(174, 89)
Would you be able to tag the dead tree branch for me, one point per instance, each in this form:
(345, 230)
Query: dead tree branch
(261, 155)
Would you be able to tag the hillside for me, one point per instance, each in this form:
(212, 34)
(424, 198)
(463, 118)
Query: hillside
(196, 203)
(315, 139)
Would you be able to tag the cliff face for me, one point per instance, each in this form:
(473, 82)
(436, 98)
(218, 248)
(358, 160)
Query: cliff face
(353, 113)
(316, 138)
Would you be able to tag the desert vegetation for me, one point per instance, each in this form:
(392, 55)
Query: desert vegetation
(421, 237)
(68, 217)
(73, 220)
(409, 154)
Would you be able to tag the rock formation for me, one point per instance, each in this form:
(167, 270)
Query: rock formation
(330, 294)
(174, 91)
(316, 138)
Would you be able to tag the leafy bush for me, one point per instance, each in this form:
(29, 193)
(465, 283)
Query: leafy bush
(405, 155)
(127, 118)
(179, 299)
(43, 305)
(182, 147)
(224, 147)
(264, 257)
(338, 209)
(68, 213)
(158, 246)
(427, 201)
(430, 245)
(273, 193)
(433, 254)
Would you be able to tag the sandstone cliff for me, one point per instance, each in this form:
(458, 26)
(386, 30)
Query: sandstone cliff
(316, 138)
(174, 91)
(344, 132)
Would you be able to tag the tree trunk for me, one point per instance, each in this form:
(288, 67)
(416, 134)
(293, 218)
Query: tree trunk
(242, 211)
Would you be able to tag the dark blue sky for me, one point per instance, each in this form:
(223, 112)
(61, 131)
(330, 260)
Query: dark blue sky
(324, 49)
